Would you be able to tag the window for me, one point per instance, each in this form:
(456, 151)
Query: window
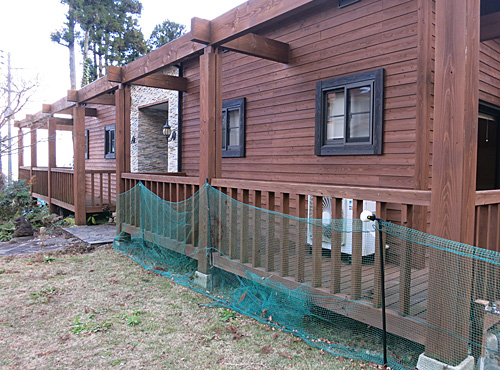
(488, 147)
(109, 142)
(233, 128)
(349, 114)
(343, 3)
(86, 144)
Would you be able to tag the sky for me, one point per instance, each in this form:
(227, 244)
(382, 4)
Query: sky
(26, 25)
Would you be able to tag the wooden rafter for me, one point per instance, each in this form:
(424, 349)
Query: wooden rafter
(105, 99)
(490, 26)
(162, 81)
(254, 14)
(92, 90)
(60, 106)
(169, 54)
(249, 44)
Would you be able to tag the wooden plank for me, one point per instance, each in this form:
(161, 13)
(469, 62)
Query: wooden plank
(489, 27)
(33, 148)
(20, 148)
(285, 236)
(261, 47)
(114, 74)
(300, 242)
(254, 14)
(51, 163)
(336, 248)
(257, 229)
(210, 115)
(454, 159)
(162, 81)
(233, 224)
(244, 229)
(381, 213)
(200, 30)
(104, 99)
(168, 54)
(90, 112)
(79, 165)
(317, 242)
(405, 263)
(92, 90)
(357, 249)
(271, 231)
(415, 197)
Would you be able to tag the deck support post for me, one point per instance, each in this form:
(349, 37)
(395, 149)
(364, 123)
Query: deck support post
(456, 94)
(20, 149)
(32, 155)
(122, 142)
(52, 160)
(79, 165)
(210, 138)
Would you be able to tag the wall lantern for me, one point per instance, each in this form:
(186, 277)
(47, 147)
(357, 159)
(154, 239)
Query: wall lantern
(167, 132)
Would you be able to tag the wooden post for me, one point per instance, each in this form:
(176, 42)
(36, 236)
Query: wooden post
(210, 136)
(79, 165)
(456, 94)
(52, 160)
(20, 150)
(122, 142)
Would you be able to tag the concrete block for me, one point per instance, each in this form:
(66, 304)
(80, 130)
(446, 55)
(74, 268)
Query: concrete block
(427, 363)
(203, 280)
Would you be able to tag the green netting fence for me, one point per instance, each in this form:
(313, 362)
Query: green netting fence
(319, 279)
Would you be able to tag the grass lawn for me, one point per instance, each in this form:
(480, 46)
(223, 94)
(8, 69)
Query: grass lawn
(100, 310)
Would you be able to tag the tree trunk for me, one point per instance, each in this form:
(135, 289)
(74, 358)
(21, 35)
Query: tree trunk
(71, 48)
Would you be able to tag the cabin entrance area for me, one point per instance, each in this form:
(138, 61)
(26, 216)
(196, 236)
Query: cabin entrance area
(488, 150)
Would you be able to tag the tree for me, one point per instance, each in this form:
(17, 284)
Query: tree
(66, 36)
(164, 33)
(21, 92)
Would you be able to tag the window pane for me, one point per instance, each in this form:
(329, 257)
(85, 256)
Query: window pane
(112, 145)
(224, 138)
(360, 99)
(335, 128)
(359, 126)
(335, 115)
(234, 118)
(234, 137)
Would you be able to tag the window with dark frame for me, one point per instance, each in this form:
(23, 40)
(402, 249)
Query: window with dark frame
(109, 142)
(233, 128)
(86, 144)
(349, 114)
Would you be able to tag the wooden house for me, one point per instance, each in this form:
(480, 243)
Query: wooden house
(391, 101)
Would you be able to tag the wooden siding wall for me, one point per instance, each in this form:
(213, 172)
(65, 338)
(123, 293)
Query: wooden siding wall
(325, 43)
(96, 160)
(489, 72)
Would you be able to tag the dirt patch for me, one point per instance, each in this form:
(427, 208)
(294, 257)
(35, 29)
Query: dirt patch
(99, 310)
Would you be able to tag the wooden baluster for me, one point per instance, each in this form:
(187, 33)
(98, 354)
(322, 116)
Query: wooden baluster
(270, 247)
(195, 215)
(357, 249)
(92, 187)
(101, 190)
(405, 261)
(244, 242)
(256, 239)
(381, 212)
(285, 235)
(179, 208)
(233, 223)
(493, 235)
(223, 229)
(188, 217)
(336, 251)
(301, 238)
(317, 241)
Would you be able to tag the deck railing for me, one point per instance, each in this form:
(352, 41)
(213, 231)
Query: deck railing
(327, 274)
(487, 234)
(62, 185)
(100, 185)
(40, 181)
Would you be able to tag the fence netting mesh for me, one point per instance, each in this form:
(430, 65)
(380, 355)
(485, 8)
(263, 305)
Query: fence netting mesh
(319, 279)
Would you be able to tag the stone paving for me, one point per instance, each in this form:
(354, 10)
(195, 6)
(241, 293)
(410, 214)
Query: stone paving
(92, 235)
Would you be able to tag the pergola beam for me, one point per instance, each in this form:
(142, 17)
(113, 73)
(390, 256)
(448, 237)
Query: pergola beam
(168, 54)
(490, 26)
(92, 90)
(162, 81)
(249, 44)
(60, 106)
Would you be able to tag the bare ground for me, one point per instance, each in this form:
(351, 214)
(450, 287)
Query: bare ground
(76, 310)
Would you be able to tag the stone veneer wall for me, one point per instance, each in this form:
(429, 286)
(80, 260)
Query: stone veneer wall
(149, 152)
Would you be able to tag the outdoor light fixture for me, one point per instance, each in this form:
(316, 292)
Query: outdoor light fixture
(367, 216)
(167, 132)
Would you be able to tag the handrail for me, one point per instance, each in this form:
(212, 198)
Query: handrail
(161, 178)
(485, 197)
(403, 196)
